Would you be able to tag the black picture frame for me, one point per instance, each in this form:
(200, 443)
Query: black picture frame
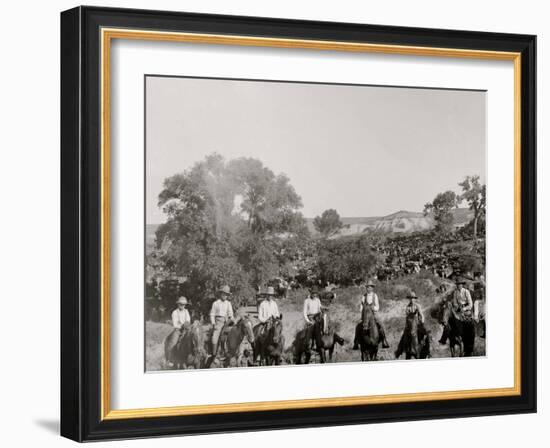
(81, 224)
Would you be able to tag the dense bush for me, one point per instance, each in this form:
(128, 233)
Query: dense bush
(345, 260)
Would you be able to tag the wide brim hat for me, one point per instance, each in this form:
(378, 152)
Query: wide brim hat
(270, 291)
(314, 290)
(182, 300)
(370, 283)
(225, 289)
(412, 295)
(460, 281)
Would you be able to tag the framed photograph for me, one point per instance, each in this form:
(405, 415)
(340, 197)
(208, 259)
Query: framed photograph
(272, 223)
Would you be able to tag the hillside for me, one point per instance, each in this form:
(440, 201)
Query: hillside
(399, 222)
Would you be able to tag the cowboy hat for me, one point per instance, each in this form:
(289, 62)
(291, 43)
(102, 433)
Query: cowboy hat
(370, 283)
(460, 281)
(225, 289)
(270, 291)
(412, 295)
(182, 300)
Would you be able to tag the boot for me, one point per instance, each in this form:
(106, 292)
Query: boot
(385, 343)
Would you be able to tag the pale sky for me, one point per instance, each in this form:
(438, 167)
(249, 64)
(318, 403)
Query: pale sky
(363, 150)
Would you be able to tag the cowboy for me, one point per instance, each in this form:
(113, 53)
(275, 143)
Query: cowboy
(220, 315)
(180, 316)
(411, 310)
(312, 307)
(268, 309)
(180, 321)
(370, 299)
(461, 305)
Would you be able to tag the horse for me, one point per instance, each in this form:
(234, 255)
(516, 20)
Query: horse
(461, 332)
(269, 343)
(231, 338)
(174, 346)
(196, 356)
(302, 345)
(325, 337)
(416, 341)
(369, 336)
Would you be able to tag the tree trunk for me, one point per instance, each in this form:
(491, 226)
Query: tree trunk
(475, 227)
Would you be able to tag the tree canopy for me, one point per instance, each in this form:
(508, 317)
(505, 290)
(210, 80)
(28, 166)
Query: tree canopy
(441, 208)
(474, 193)
(233, 222)
(328, 223)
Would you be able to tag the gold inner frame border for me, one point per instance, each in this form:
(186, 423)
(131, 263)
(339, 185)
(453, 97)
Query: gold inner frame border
(107, 36)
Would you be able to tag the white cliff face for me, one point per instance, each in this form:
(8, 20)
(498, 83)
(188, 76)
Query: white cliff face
(399, 222)
(404, 224)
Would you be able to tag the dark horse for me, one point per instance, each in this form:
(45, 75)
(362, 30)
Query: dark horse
(231, 338)
(325, 337)
(321, 334)
(369, 335)
(416, 341)
(461, 332)
(184, 348)
(302, 345)
(269, 343)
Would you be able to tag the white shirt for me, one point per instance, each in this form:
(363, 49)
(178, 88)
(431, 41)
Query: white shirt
(268, 308)
(464, 298)
(311, 306)
(221, 308)
(180, 317)
(371, 298)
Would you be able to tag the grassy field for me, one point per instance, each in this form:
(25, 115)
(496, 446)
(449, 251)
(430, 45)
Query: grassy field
(344, 313)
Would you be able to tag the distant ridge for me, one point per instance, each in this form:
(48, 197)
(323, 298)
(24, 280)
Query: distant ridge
(402, 221)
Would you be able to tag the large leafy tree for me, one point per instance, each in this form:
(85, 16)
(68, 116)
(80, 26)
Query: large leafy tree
(442, 207)
(328, 223)
(474, 193)
(230, 222)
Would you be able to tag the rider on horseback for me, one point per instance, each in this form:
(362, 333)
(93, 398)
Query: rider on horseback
(411, 310)
(180, 316)
(221, 316)
(312, 307)
(461, 304)
(370, 299)
(268, 310)
(180, 321)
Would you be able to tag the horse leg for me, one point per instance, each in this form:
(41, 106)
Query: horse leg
(408, 355)
(321, 352)
(298, 359)
(330, 352)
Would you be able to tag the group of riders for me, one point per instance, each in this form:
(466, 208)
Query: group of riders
(222, 318)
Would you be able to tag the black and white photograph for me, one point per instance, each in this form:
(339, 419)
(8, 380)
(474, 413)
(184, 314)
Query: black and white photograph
(295, 223)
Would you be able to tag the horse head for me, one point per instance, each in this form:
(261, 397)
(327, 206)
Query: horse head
(276, 330)
(197, 338)
(367, 317)
(441, 311)
(370, 329)
(245, 325)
